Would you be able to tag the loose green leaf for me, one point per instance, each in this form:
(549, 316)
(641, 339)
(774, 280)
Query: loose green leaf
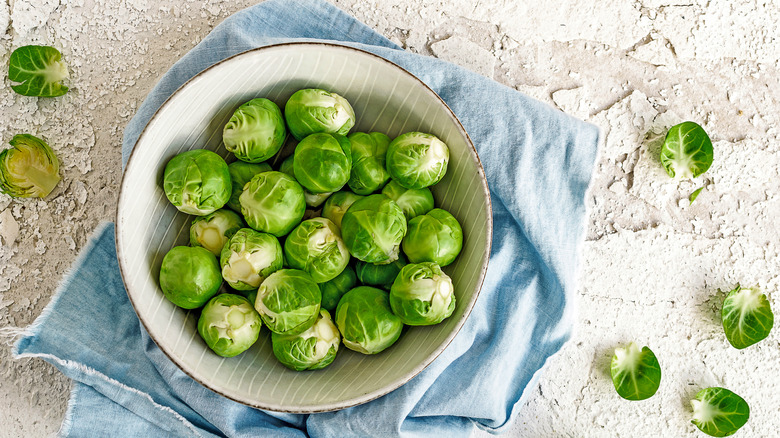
(636, 373)
(747, 317)
(39, 69)
(28, 169)
(719, 412)
(687, 151)
(695, 194)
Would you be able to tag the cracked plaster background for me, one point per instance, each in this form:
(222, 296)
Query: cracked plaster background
(653, 265)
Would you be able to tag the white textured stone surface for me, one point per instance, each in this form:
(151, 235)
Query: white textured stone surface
(653, 266)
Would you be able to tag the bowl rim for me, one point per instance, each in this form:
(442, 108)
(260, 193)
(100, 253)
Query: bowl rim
(364, 398)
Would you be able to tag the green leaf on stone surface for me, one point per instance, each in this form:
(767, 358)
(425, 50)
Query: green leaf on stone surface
(636, 373)
(39, 69)
(747, 317)
(719, 412)
(695, 195)
(687, 151)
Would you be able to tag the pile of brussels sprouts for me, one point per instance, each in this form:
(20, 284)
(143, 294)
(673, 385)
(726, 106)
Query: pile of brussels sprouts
(370, 250)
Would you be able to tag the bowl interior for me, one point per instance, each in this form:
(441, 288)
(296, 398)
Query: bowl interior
(385, 98)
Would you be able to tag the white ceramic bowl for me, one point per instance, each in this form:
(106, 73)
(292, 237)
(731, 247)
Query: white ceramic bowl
(386, 98)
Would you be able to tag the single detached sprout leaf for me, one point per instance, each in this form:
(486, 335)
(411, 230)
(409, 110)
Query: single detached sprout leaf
(687, 151)
(719, 412)
(635, 373)
(695, 194)
(39, 69)
(28, 169)
(747, 317)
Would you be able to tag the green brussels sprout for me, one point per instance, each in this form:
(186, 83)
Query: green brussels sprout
(687, 151)
(229, 324)
(338, 204)
(422, 294)
(251, 295)
(315, 246)
(719, 412)
(315, 199)
(368, 162)
(28, 169)
(333, 290)
(433, 237)
(189, 276)
(288, 301)
(413, 202)
(312, 199)
(40, 70)
(249, 257)
(312, 110)
(255, 132)
(322, 162)
(287, 166)
(366, 321)
(373, 228)
(240, 174)
(213, 231)
(416, 160)
(382, 276)
(313, 349)
(197, 182)
(272, 202)
(636, 373)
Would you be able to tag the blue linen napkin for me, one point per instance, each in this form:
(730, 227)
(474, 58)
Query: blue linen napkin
(538, 163)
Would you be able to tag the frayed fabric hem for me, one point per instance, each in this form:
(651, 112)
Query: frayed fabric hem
(91, 374)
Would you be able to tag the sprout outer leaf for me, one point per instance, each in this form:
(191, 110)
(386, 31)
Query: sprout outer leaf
(719, 412)
(746, 316)
(39, 69)
(636, 373)
(687, 151)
